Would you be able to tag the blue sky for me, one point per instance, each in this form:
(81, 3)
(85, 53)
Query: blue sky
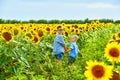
(59, 9)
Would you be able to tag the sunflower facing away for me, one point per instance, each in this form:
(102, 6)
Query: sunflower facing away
(98, 71)
(112, 51)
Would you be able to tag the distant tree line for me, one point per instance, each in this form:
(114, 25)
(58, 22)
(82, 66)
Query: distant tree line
(43, 21)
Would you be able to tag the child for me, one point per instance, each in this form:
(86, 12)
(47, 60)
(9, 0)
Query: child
(73, 50)
(59, 45)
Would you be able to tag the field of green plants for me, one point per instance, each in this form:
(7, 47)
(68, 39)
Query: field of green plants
(22, 59)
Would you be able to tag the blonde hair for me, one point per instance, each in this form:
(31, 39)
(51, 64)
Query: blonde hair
(74, 36)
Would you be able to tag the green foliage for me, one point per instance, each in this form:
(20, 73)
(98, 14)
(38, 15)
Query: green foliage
(32, 21)
(43, 21)
(53, 21)
(106, 20)
(117, 21)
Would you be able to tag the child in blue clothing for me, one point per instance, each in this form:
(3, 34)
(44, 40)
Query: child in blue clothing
(59, 45)
(73, 50)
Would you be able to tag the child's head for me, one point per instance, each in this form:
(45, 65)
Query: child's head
(74, 38)
(60, 29)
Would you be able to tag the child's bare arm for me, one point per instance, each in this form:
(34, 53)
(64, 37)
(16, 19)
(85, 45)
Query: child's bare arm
(68, 50)
(65, 48)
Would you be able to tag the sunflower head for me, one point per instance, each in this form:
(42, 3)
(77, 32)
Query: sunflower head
(40, 33)
(29, 35)
(47, 29)
(118, 34)
(118, 41)
(22, 28)
(36, 39)
(114, 37)
(16, 32)
(98, 71)
(7, 36)
(116, 76)
(112, 51)
(66, 34)
(76, 26)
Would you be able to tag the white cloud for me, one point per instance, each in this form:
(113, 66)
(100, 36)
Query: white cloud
(102, 5)
(97, 5)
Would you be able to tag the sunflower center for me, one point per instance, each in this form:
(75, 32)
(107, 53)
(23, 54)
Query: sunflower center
(35, 39)
(48, 29)
(98, 71)
(40, 33)
(66, 34)
(76, 31)
(114, 52)
(16, 32)
(7, 36)
(119, 35)
(72, 30)
(22, 28)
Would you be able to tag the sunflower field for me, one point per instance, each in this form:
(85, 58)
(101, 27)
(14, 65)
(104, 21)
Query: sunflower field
(26, 52)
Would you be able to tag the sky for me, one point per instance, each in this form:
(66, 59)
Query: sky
(59, 9)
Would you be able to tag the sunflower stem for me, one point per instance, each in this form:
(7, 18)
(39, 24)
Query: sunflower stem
(114, 64)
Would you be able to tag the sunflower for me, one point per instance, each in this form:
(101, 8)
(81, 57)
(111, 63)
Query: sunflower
(32, 31)
(94, 28)
(116, 76)
(73, 30)
(114, 37)
(112, 51)
(118, 41)
(15, 31)
(7, 36)
(118, 36)
(77, 31)
(40, 33)
(28, 36)
(66, 34)
(97, 22)
(98, 71)
(47, 29)
(36, 39)
(54, 32)
(68, 27)
(22, 28)
(76, 26)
